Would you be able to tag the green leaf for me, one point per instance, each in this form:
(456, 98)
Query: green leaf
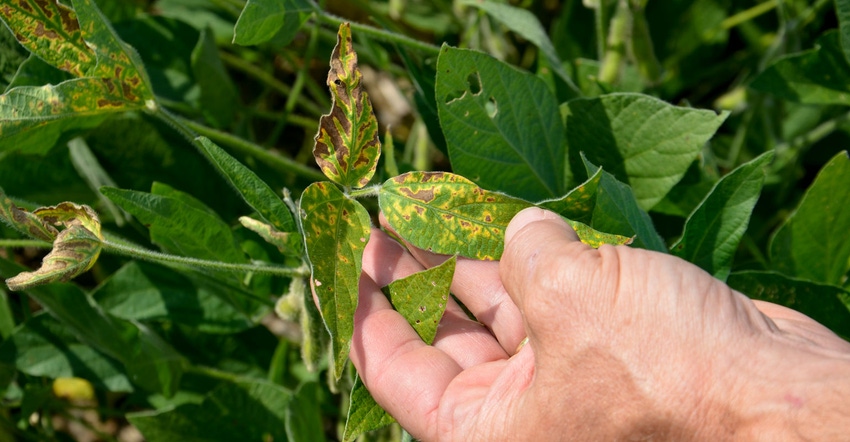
(179, 227)
(25, 222)
(577, 204)
(43, 347)
(336, 229)
(812, 243)
(421, 299)
(253, 190)
(449, 214)
(821, 302)
(148, 361)
(364, 414)
(641, 140)
(244, 410)
(842, 10)
(526, 24)
(219, 97)
(817, 76)
(502, 125)
(714, 229)
(50, 30)
(7, 318)
(617, 211)
(262, 20)
(75, 249)
(143, 292)
(347, 146)
(304, 415)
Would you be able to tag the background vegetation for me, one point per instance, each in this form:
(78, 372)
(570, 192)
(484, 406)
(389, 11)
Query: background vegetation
(747, 100)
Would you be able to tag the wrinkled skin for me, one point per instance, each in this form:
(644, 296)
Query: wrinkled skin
(623, 343)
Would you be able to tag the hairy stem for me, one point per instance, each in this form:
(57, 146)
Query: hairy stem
(748, 14)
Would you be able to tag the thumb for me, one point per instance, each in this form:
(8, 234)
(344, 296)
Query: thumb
(538, 245)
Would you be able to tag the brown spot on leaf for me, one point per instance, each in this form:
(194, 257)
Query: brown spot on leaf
(424, 195)
(419, 209)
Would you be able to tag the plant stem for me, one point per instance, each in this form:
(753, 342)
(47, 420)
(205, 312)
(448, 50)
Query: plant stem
(599, 22)
(370, 191)
(25, 243)
(748, 14)
(276, 161)
(788, 151)
(376, 33)
(150, 255)
(609, 71)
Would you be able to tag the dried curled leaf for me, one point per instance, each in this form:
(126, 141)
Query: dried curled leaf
(24, 221)
(75, 248)
(347, 146)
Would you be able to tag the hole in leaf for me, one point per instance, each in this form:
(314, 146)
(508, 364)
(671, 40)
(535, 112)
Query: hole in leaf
(474, 81)
(491, 107)
(456, 95)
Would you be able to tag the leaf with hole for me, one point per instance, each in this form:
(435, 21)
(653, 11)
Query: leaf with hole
(336, 229)
(502, 125)
(347, 146)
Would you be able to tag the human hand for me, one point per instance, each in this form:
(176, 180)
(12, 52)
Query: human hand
(622, 343)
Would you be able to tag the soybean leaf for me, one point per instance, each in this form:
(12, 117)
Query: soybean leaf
(526, 24)
(364, 414)
(502, 125)
(50, 30)
(218, 94)
(641, 140)
(179, 227)
(447, 213)
(421, 299)
(243, 410)
(714, 229)
(288, 243)
(7, 319)
(336, 229)
(347, 146)
(148, 360)
(617, 211)
(842, 10)
(24, 221)
(43, 347)
(812, 244)
(144, 292)
(577, 204)
(89, 168)
(263, 20)
(75, 248)
(821, 302)
(304, 415)
(817, 76)
(253, 190)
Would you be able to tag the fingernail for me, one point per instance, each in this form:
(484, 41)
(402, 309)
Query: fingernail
(526, 217)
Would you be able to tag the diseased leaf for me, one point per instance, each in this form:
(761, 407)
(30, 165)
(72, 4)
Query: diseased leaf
(347, 146)
(421, 299)
(25, 222)
(446, 213)
(817, 76)
(641, 140)
(502, 125)
(263, 20)
(43, 347)
(714, 229)
(50, 30)
(75, 248)
(336, 229)
(825, 304)
(526, 24)
(577, 204)
(251, 188)
(812, 243)
(617, 211)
